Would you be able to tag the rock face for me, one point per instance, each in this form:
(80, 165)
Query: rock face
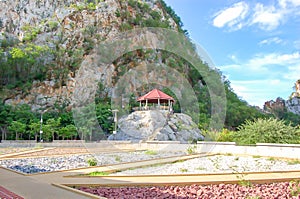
(72, 27)
(279, 103)
(291, 105)
(297, 89)
(157, 125)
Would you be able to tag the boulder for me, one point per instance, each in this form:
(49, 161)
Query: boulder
(157, 125)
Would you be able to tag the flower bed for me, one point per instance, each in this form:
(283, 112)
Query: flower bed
(270, 191)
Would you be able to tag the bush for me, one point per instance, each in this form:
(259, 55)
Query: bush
(266, 131)
(226, 136)
(92, 162)
(191, 150)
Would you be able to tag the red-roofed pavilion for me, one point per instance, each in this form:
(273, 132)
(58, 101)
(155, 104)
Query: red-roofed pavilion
(156, 97)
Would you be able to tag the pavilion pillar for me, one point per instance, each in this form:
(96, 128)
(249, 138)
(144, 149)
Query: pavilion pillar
(158, 103)
(146, 106)
(169, 104)
(140, 105)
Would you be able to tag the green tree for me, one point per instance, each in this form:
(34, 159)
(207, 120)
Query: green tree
(104, 116)
(47, 133)
(6, 117)
(54, 126)
(17, 127)
(34, 129)
(69, 132)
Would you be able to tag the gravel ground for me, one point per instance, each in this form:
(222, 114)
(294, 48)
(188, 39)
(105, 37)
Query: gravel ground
(209, 164)
(58, 163)
(282, 190)
(216, 164)
(56, 151)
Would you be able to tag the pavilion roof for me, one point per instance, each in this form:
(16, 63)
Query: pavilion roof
(155, 94)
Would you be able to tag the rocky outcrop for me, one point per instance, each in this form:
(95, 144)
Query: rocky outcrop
(280, 105)
(293, 105)
(297, 90)
(157, 125)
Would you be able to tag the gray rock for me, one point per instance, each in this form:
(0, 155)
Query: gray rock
(293, 105)
(157, 125)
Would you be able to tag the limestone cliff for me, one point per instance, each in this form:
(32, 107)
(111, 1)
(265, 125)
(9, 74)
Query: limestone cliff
(69, 29)
(280, 105)
(293, 104)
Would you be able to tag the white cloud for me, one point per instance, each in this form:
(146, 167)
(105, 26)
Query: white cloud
(267, 17)
(256, 81)
(259, 63)
(269, 41)
(289, 3)
(293, 72)
(274, 58)
(231, 16)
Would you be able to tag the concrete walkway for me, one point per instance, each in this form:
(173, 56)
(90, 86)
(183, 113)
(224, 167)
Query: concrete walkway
(31, 187)
(40, 185)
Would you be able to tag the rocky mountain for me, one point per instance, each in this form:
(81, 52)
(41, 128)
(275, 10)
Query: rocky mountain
(291, 105)
(43, 43)
(157, 125)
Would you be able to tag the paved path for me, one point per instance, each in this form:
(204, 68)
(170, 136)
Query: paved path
(32, 187)
(40, 185)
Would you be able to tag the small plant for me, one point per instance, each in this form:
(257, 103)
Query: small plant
(293, 162)
(183, 170)
(228, 154)
(117, 158)
(200, 168)
(256, 156)
(150, 152)
(236, 159)
(98, 173)
(294, 187)
(271, 159)
(245, 183)
(191, 150)
(92, 162)
(240, 175)
(178, 161)
(53, 25)
(216, 163)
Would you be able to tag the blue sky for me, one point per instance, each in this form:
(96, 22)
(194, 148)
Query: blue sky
(256, 44)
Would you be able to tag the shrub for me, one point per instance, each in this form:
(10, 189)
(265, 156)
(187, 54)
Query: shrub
(191, 150)
(266, 131)
(226, 136)
(92, 162)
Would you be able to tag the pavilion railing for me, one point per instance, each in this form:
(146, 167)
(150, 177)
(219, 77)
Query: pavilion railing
(145, 108)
